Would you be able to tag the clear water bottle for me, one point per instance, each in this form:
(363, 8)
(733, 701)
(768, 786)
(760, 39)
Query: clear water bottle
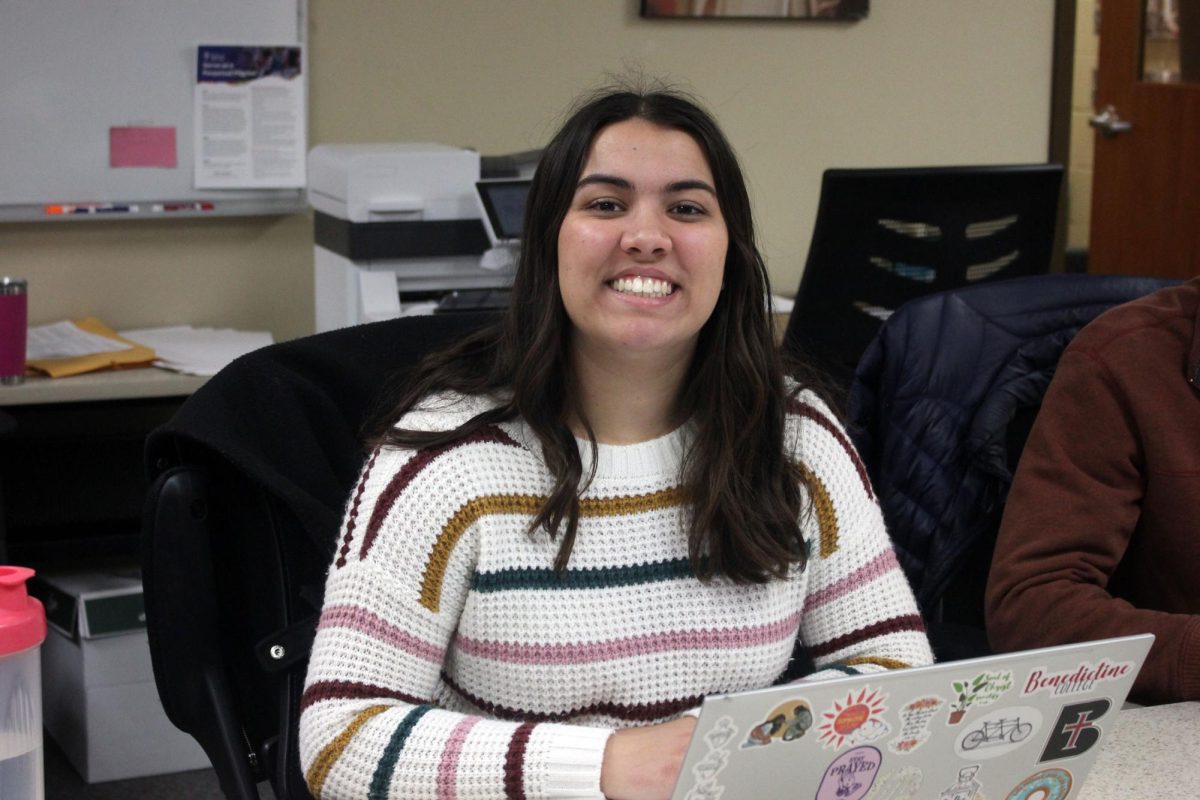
(22, 631)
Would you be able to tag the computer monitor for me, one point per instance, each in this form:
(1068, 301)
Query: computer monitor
(503, 204)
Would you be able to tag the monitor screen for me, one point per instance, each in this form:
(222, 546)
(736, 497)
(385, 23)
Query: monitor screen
(503, 204)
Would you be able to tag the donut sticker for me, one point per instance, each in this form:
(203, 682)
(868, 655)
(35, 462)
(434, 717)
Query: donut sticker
(856, 721)
(915, 716)
(851, 774)
(786, 722)
(998, 733)
(901, 784)
(1050, 784)
(981, 690)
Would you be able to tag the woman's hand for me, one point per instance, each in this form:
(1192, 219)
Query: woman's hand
(643, 763)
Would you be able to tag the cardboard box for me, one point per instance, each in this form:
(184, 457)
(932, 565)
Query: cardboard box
(99, 701)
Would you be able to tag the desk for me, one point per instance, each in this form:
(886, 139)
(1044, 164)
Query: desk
(125, 384)
(71, 462)
(1149, 752)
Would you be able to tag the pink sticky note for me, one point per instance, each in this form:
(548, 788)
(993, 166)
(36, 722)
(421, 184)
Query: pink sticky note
(139, 146)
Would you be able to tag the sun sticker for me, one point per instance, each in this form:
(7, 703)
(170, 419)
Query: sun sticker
(856, 721)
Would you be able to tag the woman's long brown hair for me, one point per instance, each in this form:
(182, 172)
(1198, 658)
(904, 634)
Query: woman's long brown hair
(743, 492)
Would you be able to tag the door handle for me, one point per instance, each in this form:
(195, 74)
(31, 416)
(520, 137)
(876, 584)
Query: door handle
(1109, 123)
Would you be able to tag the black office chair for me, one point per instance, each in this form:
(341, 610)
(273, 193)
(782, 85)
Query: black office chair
(939, 409)
(887, 236)
(249, 482)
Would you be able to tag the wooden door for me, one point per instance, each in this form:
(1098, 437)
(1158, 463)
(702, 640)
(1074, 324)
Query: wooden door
(1146, 189)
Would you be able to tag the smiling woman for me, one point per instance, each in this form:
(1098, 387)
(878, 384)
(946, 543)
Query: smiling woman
(576, 524)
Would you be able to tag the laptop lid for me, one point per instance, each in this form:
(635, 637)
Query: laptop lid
(1015, 726)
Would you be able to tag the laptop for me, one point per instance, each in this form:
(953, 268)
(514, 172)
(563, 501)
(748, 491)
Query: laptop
(1016, 726)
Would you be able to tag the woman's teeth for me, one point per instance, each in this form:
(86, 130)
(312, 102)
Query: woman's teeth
(647, 287)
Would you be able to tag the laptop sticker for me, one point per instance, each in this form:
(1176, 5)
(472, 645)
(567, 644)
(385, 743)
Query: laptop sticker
(856, 721)
(1049, 784)
(1082, 679)
(915, 717)
(998, 733)
(966, 787)
(851, 774)
(709, 768)
(1075, 732)
(900, 784)
(787, 722)
(981, 690)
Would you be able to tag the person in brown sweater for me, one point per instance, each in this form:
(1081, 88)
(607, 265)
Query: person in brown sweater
(1101, 531)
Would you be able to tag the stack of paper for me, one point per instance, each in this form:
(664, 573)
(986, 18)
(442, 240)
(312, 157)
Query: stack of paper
(197, 351)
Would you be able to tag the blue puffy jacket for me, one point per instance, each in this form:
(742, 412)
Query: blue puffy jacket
(933, 397)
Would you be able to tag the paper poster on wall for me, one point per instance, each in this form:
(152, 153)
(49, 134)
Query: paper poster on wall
(250, 126)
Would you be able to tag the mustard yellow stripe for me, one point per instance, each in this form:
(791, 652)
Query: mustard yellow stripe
(469, 514)
(826, 516)
(319, 771)
(882, 661)
(452, 531)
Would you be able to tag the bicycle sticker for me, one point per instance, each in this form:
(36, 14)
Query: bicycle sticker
(787, 722)
(856, 721)
(900, 784)
(1049, 784)
(915, 717)
(851, 774)
(999, 732)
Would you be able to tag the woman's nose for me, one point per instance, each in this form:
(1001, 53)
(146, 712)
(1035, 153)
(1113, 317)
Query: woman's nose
(645, 237)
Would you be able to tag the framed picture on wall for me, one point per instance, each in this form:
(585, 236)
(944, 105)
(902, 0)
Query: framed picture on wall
(756, 9)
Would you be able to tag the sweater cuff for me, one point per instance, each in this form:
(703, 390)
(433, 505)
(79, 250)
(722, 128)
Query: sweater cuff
(570, 759)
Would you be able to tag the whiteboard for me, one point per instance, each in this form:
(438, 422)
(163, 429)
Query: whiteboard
(71, 70)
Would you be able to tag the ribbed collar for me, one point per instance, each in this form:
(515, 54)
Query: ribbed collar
(656, 457)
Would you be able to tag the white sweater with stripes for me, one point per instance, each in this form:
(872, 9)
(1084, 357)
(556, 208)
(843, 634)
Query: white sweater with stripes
(451, 661)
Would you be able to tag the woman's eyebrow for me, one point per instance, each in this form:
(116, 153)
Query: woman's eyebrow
(621, 183)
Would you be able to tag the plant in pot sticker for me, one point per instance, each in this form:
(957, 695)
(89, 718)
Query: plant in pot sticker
(983, 689)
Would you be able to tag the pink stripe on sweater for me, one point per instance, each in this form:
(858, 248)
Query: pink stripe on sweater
(877, 567)
(448, 767)
(568, 654)
(363, 621)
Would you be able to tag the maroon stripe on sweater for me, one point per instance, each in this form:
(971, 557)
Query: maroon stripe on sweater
(348, 690)
(412, 468)
(644, 712)
(808, 412)
(514, 763)
(909, 622)
(352, 519)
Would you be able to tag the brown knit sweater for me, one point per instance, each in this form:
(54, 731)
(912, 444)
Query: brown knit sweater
(1101, 533)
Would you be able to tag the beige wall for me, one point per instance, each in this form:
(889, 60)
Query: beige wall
(918, 82)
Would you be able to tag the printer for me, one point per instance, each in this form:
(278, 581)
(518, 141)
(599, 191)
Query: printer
(395, 227)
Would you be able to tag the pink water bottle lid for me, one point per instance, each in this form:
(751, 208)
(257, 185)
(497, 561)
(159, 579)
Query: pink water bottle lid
(22, 618)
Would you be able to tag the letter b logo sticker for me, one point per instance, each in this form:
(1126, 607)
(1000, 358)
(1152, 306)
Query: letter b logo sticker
(1076, 730)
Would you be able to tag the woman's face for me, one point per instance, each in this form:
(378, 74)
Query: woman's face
(641, 251)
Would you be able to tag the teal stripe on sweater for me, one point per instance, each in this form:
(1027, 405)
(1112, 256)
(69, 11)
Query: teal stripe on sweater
(593, 578)
(382, 779)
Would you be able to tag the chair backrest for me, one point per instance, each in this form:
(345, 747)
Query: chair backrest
(940, 405)
(886, 236)
(250, 479)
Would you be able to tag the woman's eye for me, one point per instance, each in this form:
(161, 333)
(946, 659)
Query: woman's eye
(687, 210)
(604, 206)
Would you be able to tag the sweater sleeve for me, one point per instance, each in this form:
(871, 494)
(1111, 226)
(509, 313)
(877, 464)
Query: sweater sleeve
(1075, 503)
(859, 613)
(370, 723)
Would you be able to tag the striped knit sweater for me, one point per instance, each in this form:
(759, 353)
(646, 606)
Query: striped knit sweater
(451, 661)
